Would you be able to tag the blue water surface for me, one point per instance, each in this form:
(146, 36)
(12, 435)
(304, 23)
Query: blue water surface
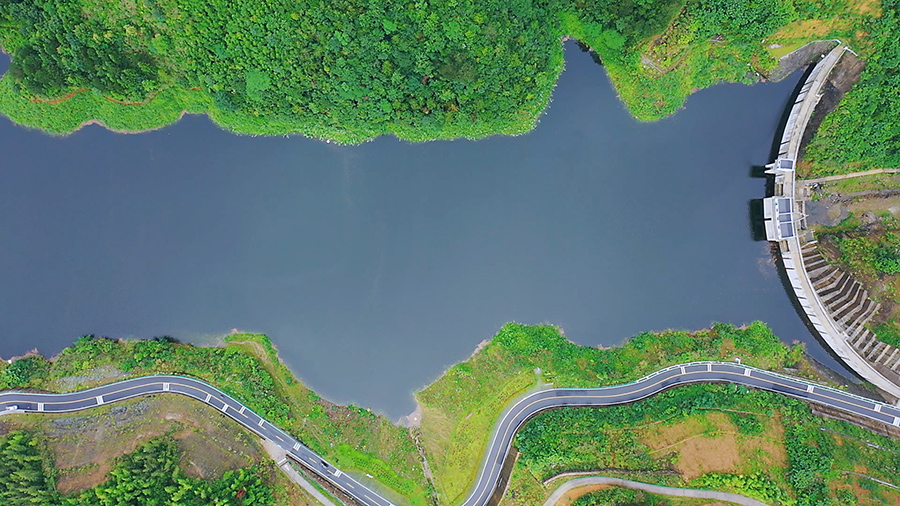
(374, 267)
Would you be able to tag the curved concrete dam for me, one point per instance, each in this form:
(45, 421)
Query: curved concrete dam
(835, 304)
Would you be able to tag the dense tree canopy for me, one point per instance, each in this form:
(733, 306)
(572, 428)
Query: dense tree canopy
(150, 476)
(864, 131)
(344, 69)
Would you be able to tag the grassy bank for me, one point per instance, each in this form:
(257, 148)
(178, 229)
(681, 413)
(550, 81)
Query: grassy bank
(247, 368)
(720, 437)
(460, 408)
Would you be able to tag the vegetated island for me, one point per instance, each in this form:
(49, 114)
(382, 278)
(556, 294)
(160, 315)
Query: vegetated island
(183, 452)
(351, 70)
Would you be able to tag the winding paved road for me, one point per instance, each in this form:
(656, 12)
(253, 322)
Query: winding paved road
(503, 433)
(695, 493)
(204, 392)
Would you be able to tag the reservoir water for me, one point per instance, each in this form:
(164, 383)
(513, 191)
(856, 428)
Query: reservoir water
(374, 267)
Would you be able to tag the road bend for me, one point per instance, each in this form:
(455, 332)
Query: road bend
(502, 435)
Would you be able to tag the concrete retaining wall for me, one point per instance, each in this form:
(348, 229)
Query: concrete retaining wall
(791, 248)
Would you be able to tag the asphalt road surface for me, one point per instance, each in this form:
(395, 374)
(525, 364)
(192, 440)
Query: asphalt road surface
(502, 435)
(147, 385)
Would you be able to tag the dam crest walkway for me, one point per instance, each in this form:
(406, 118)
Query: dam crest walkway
(835, 304)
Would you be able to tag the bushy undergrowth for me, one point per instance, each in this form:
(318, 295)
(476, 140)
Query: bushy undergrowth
(620, 497)
(584, 439)
(819, 451)
(864, 131)
(463, 405)
(151, 475)
(353, 69)
(880, 255)
(248, 369)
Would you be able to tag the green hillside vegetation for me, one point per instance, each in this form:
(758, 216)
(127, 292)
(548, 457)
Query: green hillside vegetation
(721, 437)
(350, 70)
(460, 408)
(248, 369)
(864, 131)
(626, 497)
(149, 476)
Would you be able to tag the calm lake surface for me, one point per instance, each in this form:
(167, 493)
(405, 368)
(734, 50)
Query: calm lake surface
(374, 267)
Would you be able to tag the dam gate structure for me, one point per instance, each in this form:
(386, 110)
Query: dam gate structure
(836, 305)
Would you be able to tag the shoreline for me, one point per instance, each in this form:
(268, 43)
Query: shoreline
(413, 419)
(583, 45)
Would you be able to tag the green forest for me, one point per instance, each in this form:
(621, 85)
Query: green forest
(351, 437)
(819, 451)
(350, 70)
(864, 131)
(460, 409)
(150, 476)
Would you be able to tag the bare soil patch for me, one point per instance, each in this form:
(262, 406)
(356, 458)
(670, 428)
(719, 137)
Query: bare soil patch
(810, 29)
(86, 445)
(711, 443)
(703, 445)
(867, 7)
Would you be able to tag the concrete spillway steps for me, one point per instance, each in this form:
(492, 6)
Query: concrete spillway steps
(828, 280)
(866, 312)
(837, 297)
(849, 305)
(842, 295)
(837, 307)
(876, 351)
(815, 264)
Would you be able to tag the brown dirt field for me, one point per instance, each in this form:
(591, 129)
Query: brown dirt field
(662, 437)
(701, 455)
(867, 7)
(710, 443)
(810, 29)
(698, 452)
(86, 445)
